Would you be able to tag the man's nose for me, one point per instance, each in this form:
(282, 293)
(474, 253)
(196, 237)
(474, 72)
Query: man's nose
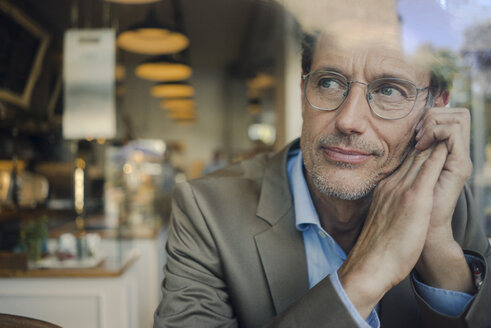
(353, 114)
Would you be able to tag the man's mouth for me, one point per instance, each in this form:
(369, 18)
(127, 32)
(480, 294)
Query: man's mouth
(345, 155)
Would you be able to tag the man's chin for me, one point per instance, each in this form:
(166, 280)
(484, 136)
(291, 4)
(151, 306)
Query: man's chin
(340, 189)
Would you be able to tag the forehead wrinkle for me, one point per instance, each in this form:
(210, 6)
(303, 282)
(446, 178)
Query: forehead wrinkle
(385, 66)
(367, 64)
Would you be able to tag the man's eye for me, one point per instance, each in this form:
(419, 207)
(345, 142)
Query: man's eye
(328, 83)
(390, 91)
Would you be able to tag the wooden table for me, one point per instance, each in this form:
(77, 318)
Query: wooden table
(112, 266)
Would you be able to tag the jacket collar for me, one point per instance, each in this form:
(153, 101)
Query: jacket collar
(276, 198)
(280, 246)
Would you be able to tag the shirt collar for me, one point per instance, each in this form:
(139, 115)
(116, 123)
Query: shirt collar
(305, 213)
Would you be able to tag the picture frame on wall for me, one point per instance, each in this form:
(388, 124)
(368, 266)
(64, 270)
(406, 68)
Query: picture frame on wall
(55, 104)
(22, 50)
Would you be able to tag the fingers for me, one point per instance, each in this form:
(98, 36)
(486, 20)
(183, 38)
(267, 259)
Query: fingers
(419, 157)
(451, 134)
(451, 125)
(403, 178)
(442, 148)
(430, 170)
(404, 167)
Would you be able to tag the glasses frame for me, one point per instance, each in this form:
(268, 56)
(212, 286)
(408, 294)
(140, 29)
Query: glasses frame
(367, 94)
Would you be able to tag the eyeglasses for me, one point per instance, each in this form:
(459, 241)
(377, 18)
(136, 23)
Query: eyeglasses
(388, 98)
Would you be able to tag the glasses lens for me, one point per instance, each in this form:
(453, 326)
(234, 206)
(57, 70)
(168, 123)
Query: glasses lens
(392, 98)
(325, 90)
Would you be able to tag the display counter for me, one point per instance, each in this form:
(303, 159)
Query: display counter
(110, 266)
(121, 291)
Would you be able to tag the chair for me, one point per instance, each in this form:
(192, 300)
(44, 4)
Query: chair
(15, 321)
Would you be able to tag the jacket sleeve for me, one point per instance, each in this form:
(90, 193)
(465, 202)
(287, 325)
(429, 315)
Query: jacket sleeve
(469, 233)
(321, 304)
(194, 292)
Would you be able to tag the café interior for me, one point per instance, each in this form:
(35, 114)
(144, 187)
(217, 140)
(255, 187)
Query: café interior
(106, 105)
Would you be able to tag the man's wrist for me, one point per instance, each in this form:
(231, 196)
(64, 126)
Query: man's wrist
(371, 320)
(444, 266)
(363, 289)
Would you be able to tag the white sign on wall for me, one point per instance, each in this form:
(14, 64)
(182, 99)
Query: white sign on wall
(89, 82)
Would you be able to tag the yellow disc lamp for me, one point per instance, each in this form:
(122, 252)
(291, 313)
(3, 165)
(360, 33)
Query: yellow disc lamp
(179, 109)
(178, 104)
(132, 2)
(163, 69)
(152, 38)
(189, 114)
(172, 90)
(182, 114)
(120, 72)
(152, 41)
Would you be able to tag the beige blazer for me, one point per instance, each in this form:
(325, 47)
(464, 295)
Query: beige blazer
(235, 259)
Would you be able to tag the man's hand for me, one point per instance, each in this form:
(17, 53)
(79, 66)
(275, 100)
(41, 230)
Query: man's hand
(442, 263)
(395, 230)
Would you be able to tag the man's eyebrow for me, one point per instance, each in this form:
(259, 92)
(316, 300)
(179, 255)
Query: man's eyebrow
(331, 69)
(395, 75)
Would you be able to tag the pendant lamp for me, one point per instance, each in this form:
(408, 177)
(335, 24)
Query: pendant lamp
(172, 90)
(151, 37)
(182, 114)
(163, 69)
(176, 104)
(132, 2)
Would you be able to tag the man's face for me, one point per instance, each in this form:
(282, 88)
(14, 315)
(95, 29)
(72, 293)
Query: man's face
(349, 150)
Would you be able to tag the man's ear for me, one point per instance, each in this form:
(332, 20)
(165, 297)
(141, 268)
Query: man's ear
(442, 99)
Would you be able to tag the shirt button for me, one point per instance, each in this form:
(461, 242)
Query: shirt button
(322, 234)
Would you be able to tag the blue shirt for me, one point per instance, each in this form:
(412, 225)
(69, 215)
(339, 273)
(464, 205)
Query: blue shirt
(325, 256)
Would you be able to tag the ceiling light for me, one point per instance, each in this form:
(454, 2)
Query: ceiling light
(120, 90)
(163, 69)
(160, 72)
(120, 72)
(175, 104)
(152, 38)
(261, 81)
(254, 105)
(133, 2)
(182, 115)
(172, 90)
(152, 41)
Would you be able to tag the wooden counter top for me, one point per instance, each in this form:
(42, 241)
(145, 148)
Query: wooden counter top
(121, 252)
(111, 266)
(147, 230)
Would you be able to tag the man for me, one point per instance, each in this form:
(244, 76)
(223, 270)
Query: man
(366, 221)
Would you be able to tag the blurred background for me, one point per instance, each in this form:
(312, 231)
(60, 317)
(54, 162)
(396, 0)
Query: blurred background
(106, 104)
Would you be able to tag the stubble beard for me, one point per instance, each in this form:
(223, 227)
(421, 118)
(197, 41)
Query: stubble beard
(317, 171)
(345, 192)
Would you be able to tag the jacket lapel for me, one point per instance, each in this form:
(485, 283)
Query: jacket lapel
(281, 247)
(283, 259)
